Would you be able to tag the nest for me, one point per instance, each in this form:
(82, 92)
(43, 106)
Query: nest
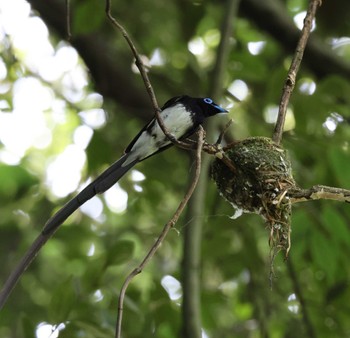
(259, 184)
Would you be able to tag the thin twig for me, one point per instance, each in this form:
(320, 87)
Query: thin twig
(136, 55)
(169, 225)
(143, 71)
(293, 70)
(68, 30)
(221, 136)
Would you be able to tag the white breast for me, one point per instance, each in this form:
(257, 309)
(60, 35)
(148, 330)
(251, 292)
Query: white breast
(176, 119)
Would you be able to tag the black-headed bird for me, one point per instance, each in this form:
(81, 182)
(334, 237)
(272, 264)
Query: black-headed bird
(181, 115)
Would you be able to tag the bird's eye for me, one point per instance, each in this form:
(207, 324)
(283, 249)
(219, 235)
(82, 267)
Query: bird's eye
(207, 100)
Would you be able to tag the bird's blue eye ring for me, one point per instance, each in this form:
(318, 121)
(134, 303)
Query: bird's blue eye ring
(207, 100)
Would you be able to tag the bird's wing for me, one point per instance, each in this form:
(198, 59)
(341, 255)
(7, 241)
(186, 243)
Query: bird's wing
(150, 124)
(172, 101)
(134, 140)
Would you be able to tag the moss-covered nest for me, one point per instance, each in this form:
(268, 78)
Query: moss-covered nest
(258, 182)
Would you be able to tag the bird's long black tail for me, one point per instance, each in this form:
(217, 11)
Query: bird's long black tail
(102, 183)
(99, 185)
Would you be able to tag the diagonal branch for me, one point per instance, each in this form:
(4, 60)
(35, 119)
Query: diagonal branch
(293, 70)
(143, 71)
(169, 225)
(319, 57)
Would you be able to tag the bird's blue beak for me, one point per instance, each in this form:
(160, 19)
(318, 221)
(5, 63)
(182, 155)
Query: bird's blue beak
(222, 110)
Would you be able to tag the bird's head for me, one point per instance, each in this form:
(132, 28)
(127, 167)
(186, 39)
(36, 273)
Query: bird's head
(202, 107)
(209, 107)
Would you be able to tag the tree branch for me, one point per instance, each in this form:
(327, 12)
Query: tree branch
(319, 57)
(140, 65)
(110, 78)
(68, 18)
(169, 225)
(318, 192)
(112, 81)
(293, 70)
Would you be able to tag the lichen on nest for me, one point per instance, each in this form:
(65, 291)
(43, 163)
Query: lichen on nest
(259, 184)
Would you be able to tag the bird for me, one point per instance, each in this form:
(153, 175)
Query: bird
(181, 115)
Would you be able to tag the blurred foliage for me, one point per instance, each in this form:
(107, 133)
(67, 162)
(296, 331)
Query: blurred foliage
(68, 283)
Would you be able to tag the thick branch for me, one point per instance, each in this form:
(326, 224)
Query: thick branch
(319, 192)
